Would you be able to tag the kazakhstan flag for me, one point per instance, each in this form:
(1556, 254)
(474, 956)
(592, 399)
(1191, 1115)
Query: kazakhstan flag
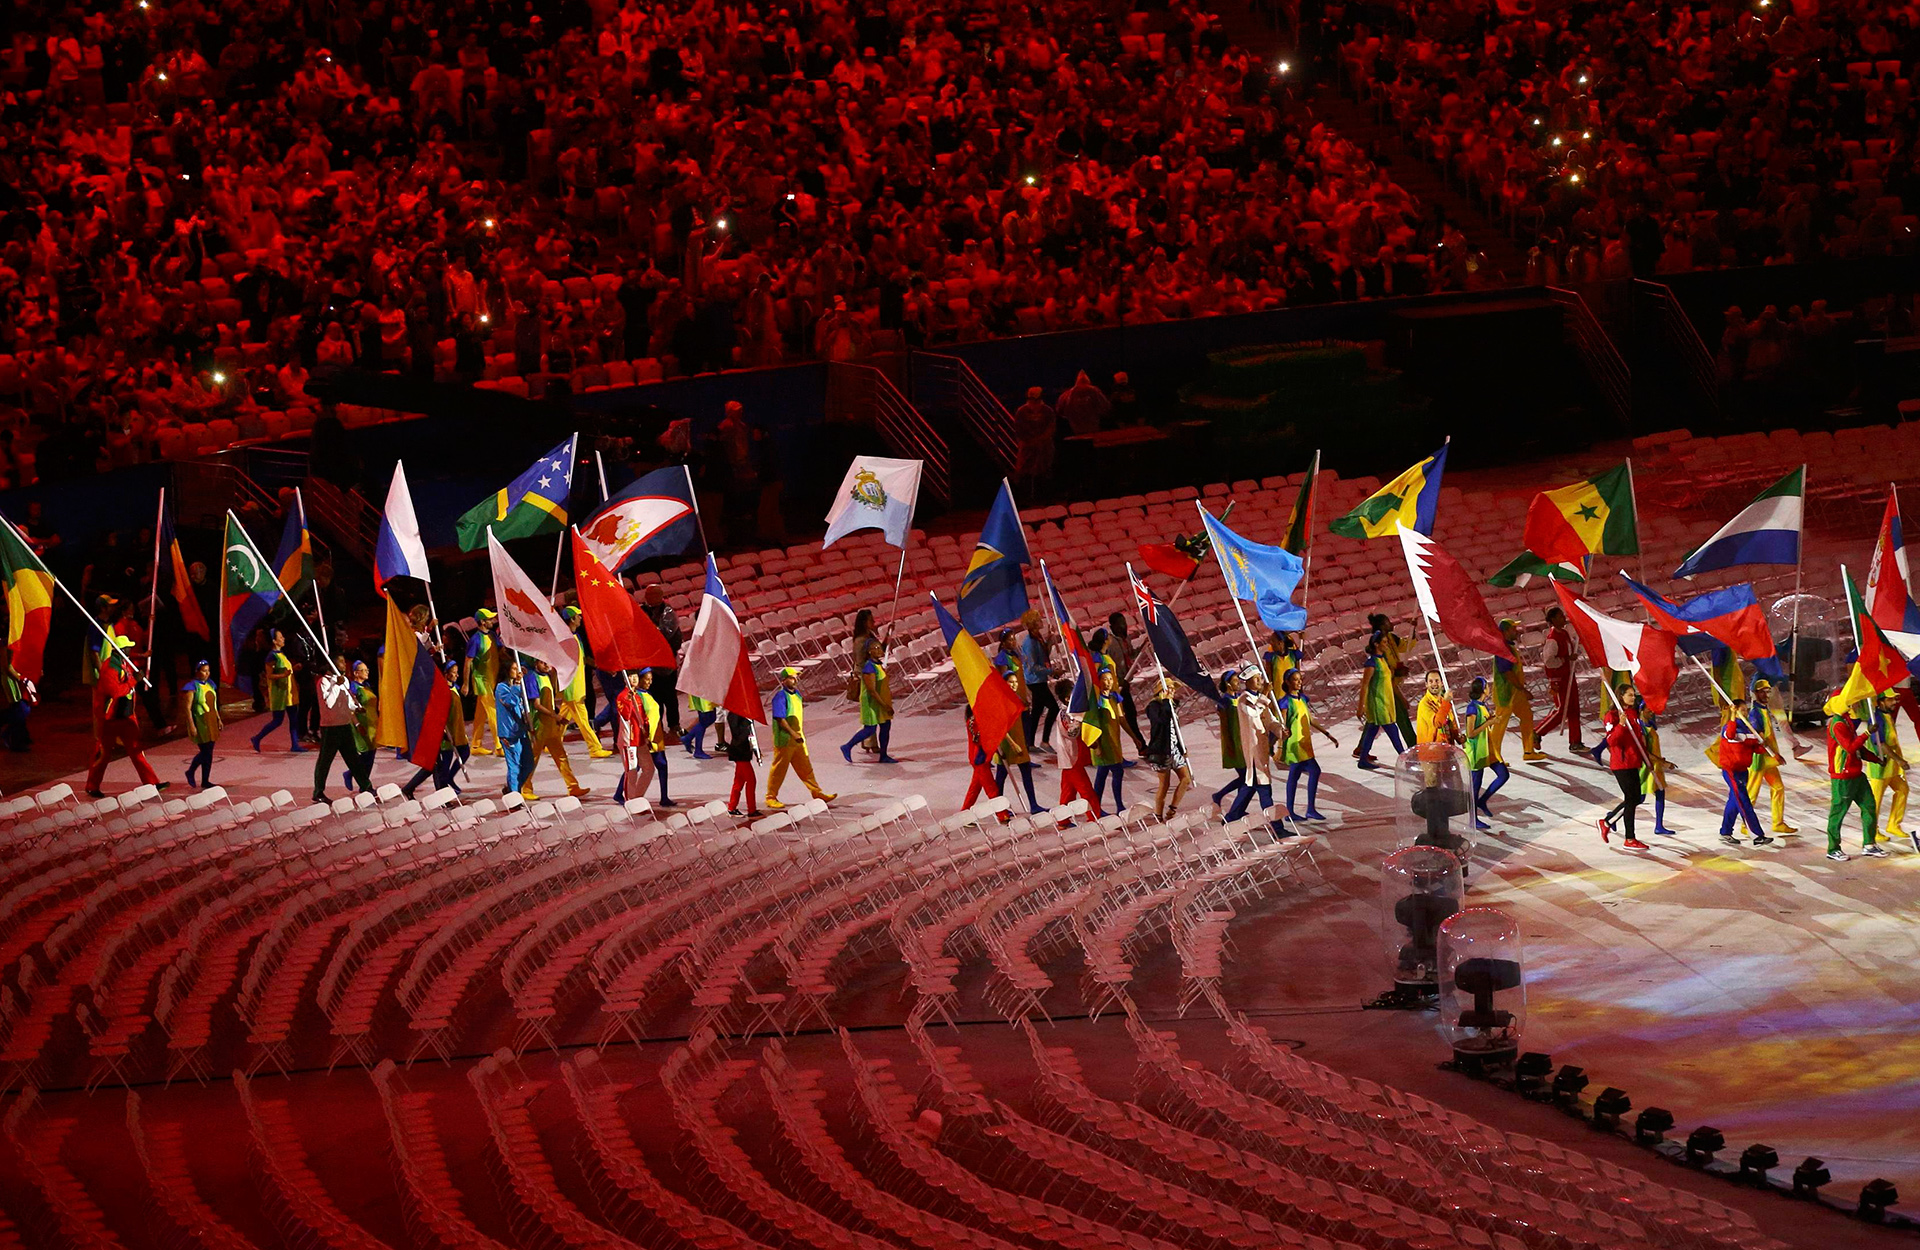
(533, 503)
(1264, 575)
(994, 591)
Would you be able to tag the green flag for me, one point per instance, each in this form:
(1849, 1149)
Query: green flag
(533, 503)
(1526, 566)
(1300, 524)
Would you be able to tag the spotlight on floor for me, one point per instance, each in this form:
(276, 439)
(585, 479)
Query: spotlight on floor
(1809, 1177)
(1755, 1160)
(1703, 1142)
(1651, 1125)
(1610, 1106)
(1875, 1197)
(1568, 1082)
(1530, 1072)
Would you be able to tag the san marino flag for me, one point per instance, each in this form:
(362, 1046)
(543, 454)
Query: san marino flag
(876, 494)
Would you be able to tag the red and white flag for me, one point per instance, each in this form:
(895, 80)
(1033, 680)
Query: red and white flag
(1645, 651)
(1448, 597)
(716, 664)
(1888, 601)
(527, 620)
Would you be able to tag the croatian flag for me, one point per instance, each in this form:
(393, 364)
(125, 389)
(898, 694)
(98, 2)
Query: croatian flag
(716, 665)
(398, 551)
(1731, 615)
(1644, 651)
(876, 494)
(1888, 601)
(1767, 531)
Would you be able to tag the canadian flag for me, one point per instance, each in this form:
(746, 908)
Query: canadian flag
(1448, 597)
(1645, 651)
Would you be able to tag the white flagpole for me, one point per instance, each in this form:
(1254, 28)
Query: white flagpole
(601, 465)
(319, 609)
(325, 653)
(153, 594)
(1793, 636)
(1252, 646)
(73, 599)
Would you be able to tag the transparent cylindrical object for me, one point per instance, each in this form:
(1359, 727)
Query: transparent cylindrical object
(1483, 993)
(1432, 798)
(1811, 640)
(1420, 886)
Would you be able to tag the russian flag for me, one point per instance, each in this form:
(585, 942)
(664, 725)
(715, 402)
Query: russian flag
(716, 665)
(1731, 615)
(398, 551)
(1766, 531)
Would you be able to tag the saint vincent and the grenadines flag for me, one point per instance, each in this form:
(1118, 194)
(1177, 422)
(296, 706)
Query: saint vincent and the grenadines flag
(533, 503)
(994, 590)
(1409, 500)
(996, 708)
(29, 592)
(1593, 517)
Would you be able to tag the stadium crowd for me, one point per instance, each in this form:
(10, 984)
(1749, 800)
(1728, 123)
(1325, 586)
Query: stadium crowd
(206, 201)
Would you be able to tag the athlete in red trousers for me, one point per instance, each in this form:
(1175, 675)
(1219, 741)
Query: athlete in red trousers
(1557, 664)
(117, 724)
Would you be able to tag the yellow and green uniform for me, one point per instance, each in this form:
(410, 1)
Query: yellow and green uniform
(1099, 729)
(203, 712)
(282, 694)
(549, 729)
(1296, 730)
(573, 707)
(483, 659)
(789, 746)
(1278, 664)
(1765, 769)
(1475, 721)
(1890, 773)
(1510, 700)
(1730, 677)
(876, 707)
(366, 718)
(1653, 773)
(1232, 756)
(1377, 694)
(1434, 721)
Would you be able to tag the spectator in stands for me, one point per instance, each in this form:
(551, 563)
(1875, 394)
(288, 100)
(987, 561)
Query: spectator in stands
(1034, 424)
(1082, 406)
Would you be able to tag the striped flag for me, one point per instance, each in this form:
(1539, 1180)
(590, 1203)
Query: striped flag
(718, 666)
(1766, 531)
(29, 592)
(996, 709)
(398, 551)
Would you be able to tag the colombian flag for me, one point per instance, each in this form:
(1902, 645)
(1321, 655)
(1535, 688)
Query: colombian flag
(996, 708)
(416, 717)
(29, 592)
(1594, 517)
(1408, 501)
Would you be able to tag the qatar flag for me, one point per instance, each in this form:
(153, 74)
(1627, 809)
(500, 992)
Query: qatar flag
(1448, 597)
(1644, 651)
(716, 665)
(654, 516)
(527, 620)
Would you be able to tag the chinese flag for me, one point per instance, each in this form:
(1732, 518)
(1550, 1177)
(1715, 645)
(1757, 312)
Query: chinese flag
(618, 632)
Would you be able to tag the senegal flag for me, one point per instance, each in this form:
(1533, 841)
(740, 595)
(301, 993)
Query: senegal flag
(29, 590)
(1409, 500)
(1594, 517)
(1300, 524)
(533, 503)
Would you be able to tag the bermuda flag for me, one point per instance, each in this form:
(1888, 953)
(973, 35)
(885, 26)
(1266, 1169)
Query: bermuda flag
(1083, 667)
(1448, 597)
(398, 551)
(1767, 531)
(1644, 651)
(1731, 615)
(1169, 641)
(1888, 601)
(716, 665)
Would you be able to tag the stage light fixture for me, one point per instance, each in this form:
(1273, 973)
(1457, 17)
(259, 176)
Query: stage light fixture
(1610, 1106)
(219, 379)
(1810, 1176)
(720, 224)
(1031, 179)
(1530, 1069)
(1875, 1197)
(1651, 1125)
(1756, 1159)
(1568, 1082)
(1703, 1142)
(1573, 177)
(1286, 68)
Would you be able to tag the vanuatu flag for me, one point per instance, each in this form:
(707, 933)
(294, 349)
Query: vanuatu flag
(1409, 500)
(1300, 524)
(247, 594)
(1594, 517)
(29, 591)
(533, 503)
(994, 591)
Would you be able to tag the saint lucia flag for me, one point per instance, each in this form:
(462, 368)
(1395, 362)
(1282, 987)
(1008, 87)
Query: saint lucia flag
(994, 591)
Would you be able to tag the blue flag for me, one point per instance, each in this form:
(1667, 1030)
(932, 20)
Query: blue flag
(654, 516)
(1264, 575)
(1170, 645)
(994, 591)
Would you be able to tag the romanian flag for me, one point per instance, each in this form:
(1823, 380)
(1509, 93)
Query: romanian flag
(1300, 524)
(416, 717)
(533, 503)
(1409, 501)
(994, 591)
(996, 708)
(179, 585)
(1594, 517)
(293, 563)
(29, 591)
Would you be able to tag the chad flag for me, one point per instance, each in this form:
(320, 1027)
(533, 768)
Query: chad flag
(995, 707)
(1408, 501)
(1594, 517)
(29, 592)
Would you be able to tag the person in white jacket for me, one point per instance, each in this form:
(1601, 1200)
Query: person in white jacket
(337, 706)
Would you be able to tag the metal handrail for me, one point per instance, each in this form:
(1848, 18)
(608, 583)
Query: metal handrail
(1680, 335)
(978, 408)
(905, 430)
(1604, 361)
(353, 522)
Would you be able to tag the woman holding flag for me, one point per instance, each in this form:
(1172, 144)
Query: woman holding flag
(1622, 737)
(1167, 749)
(876, 704)
(1379, 703)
